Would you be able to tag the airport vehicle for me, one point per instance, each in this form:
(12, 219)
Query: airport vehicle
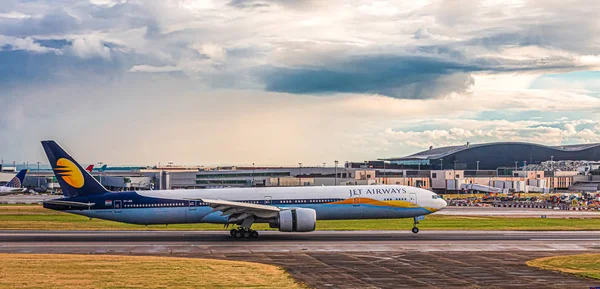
(14, 186)
(290, 209)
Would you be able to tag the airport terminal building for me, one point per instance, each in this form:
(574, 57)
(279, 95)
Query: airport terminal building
(489, 167)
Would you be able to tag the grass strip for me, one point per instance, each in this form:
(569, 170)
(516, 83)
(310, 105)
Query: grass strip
(38, 218)
(586, 265)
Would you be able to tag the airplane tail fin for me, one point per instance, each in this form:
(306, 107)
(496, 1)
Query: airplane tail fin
(17, 181)
(90, 168)
(72, 178)
(103, 168)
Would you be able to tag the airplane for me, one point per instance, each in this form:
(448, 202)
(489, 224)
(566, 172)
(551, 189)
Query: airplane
(90, 168)
(289, 209)
(14, 186)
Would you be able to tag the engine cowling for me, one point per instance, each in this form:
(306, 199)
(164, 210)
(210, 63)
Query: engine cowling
(297, 220)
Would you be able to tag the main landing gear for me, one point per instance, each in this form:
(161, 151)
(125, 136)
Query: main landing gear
(243, 233)
(415, 223)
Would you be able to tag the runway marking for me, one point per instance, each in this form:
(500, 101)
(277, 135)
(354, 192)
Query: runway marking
(564, 239)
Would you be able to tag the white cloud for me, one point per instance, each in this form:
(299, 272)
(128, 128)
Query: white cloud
(549, 133)
(149, 68)
(27, 44)
(109, 3)
(14, 15)
(211, 50)
(90, 47)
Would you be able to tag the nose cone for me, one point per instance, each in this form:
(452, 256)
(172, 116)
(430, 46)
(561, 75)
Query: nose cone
(439, 204)
(443, 203)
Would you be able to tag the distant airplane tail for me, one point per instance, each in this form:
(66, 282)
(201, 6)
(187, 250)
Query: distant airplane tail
(72, 178)
(90, 168)
(103, 168)
(17, 181)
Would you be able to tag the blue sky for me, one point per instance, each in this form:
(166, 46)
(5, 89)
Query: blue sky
(281, 82)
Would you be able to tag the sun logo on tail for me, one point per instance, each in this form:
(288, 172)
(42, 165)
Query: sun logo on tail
(69, 172)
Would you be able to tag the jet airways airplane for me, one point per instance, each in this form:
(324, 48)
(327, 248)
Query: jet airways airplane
(14, 186)
(290, 209)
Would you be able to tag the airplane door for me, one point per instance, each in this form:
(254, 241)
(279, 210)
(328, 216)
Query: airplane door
(118, 205)
(192, 205)
(412, 198)
(268, 200)
(356, 202)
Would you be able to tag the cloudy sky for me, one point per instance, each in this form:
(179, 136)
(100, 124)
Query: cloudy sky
(282, 81)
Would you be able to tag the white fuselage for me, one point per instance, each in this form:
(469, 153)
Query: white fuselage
(9, 190)
(330, 203)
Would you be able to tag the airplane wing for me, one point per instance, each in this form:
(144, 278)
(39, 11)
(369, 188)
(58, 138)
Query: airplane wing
(239, 211)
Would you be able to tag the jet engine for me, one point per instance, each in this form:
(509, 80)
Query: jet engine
(297, 220)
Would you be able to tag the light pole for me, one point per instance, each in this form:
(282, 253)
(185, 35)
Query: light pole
(252, 175)
(324, 164)
(366, 162)
(477, 165)
(38, 177)
(384, 172)
(100, 174)
(300, 174)
(516, 165)
(441, 164)
(336, 163)
(551, 162)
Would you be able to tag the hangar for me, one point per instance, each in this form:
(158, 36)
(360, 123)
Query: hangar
(492, 156)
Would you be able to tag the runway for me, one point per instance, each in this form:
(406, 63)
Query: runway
(515, 212)
(272, 241)
(347, 259)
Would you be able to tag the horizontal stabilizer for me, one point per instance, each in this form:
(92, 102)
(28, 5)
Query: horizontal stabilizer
(69, 203)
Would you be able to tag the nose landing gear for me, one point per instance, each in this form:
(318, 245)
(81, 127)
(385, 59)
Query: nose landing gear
(415, 223)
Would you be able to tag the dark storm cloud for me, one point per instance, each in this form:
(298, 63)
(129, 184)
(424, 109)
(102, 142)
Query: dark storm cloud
(429, 72)
(395, 76)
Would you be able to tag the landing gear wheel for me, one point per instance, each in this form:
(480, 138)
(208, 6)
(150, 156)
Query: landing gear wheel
(246, 234)
(238, 234)
(254, 234)
(232, 232)
(415, 230)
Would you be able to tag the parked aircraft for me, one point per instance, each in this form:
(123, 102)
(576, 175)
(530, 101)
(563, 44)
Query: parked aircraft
(15, 185)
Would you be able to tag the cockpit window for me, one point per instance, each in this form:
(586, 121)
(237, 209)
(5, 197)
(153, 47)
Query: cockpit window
(435, 197)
